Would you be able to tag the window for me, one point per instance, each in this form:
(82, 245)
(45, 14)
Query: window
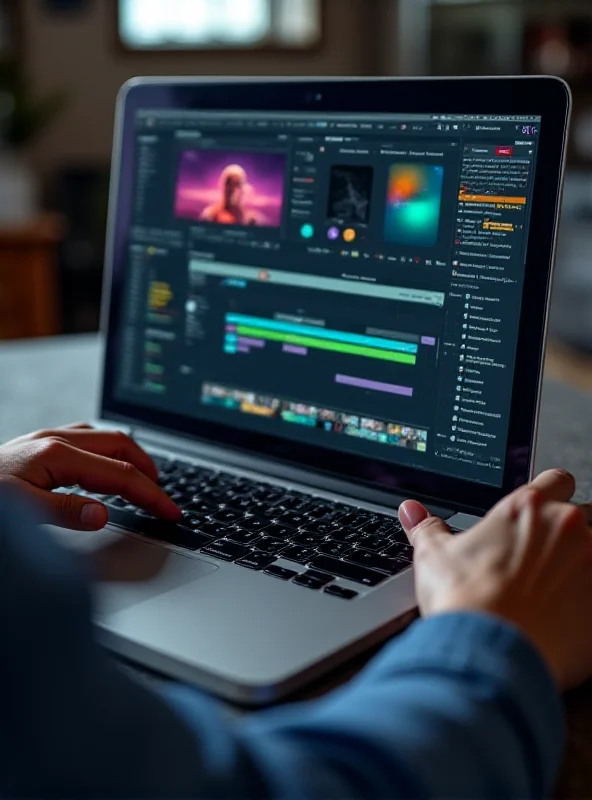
(211, 24)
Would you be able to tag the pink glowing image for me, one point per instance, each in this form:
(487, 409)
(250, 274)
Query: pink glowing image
(231, 188)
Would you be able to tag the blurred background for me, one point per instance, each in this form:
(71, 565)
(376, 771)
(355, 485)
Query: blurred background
(62, 62)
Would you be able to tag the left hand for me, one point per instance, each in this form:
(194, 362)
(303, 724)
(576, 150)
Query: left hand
(99, 461)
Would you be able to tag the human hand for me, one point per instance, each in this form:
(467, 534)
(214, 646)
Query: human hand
(98, 461)
(529, 562)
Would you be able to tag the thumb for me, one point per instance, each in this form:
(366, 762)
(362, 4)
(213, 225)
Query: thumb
(72, 511)
(419, 525)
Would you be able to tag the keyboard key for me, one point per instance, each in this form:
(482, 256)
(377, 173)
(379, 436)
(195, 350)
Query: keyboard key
(406, 555)
(241, 536)
(165, 468)
(299, 554)
(180, 498)
(256, 560)
(360, 518)
(269, 545)
(200, 506)
(398, 550)
(280, 572)
(261, 508)
(307, 539)
(309, 582)
(340, 591)
(254, 523)
(319, 510)
(245, 484)
(347, 535)
(192, 520)
(349, 518)
(220, 480)
(292, 519)
(228, 515)
(214, 529)
(398, 535)
(373, 542)
(153, 528)
(319, 576)
(212, 497)
(241, 502)
(279, 531)
(336, 549)
(343, 569)
(225, 550)
(374, 526)
(290, 500)
(320, 527)
(375, 561)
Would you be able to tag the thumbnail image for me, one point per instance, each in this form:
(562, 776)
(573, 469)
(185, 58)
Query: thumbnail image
(350, 190)
(414, 199)
(325, 419)
(231, 187)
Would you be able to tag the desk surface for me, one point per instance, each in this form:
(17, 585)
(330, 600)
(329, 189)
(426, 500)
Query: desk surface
(55, 381)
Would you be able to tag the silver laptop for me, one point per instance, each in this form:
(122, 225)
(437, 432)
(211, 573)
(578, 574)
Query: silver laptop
(323, 297)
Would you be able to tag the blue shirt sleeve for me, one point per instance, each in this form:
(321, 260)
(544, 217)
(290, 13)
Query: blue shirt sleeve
(459, 706)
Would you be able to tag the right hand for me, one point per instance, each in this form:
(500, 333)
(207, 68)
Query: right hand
(529, 562)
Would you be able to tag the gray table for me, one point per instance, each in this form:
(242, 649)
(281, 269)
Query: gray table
(55, 381)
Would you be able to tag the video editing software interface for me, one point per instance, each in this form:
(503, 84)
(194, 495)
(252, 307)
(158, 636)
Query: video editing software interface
(351, 282)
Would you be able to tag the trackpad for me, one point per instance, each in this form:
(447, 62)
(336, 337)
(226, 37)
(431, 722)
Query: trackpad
(140, 556)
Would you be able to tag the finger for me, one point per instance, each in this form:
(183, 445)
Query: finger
(411, 513)
(66, 465)
(555, 484)
(112, 444)
(70, 510)
(46, 433)
(427, 531)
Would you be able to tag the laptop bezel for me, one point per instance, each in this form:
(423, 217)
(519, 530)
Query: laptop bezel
(547, 97)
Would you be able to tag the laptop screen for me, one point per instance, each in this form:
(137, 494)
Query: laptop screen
(350, 282)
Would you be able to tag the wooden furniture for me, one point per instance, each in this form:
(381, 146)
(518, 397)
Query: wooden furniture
(28, 280)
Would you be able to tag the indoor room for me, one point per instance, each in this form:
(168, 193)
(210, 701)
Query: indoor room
(296, 345)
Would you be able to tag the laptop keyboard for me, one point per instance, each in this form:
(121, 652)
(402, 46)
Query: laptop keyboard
(254, 524)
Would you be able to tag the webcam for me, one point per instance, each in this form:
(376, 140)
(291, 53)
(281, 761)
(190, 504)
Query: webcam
(314, 97)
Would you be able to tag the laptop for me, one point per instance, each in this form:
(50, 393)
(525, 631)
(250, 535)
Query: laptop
(323, 297)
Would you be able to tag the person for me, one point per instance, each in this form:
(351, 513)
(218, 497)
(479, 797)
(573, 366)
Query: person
(230, 208)
(464, 704)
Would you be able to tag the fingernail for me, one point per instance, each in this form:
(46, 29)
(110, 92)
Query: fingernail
(93, 516)
(411, 514)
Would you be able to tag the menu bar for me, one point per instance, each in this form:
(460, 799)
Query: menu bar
(315, 119)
